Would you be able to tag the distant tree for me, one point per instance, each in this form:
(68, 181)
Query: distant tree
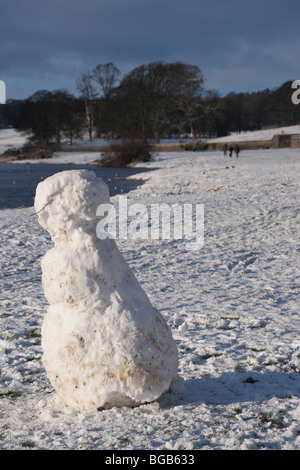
(74, 119)
(212, 122)
(46, 116)
(278, 109)
(188, 86)
(235, 112)
(36, 120)
(151, 96)
(11, 111)
(106, 76)
(244, 111)
(89, 94)
(60, 108)
(161, 95)
(132, 107)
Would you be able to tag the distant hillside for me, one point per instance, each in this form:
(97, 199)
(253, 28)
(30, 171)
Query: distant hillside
(264, 134)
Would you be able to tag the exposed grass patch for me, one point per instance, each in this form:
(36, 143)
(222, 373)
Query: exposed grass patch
(209, 355)
(10, 394)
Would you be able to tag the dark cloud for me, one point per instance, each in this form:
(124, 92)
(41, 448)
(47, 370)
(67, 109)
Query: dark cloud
(239, 45)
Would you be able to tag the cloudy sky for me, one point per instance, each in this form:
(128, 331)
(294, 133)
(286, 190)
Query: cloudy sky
(239, 45)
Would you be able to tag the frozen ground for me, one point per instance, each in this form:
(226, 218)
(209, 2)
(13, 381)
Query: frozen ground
(233, 308)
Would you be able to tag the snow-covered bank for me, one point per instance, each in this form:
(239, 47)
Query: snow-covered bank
(62, 158)
(10, 138)
(263, 134)
(233, 308)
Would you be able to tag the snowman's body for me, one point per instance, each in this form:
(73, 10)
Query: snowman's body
(104, 344)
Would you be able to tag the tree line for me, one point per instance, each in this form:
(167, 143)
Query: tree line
(150, 102)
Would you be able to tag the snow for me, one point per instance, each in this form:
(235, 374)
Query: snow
(104, 343)
(63, 158)
(263, 134)
(233, 309)
(11, 138)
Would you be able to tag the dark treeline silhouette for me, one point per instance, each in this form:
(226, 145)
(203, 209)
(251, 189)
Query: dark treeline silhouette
(152, 101)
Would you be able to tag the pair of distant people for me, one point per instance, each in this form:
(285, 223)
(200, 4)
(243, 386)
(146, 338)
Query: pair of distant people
(236, 149)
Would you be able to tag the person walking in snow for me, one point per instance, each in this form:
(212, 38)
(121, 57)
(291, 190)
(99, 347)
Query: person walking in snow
(237, 150)
(230, 151)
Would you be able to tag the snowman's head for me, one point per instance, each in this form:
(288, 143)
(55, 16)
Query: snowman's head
(68, 201)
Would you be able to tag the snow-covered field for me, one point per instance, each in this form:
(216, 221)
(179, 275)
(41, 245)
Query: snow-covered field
(10, 138)
(264, 134)
(84, 158)
(233, 307)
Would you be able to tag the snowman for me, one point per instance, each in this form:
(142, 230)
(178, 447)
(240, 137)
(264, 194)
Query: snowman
(103, 342)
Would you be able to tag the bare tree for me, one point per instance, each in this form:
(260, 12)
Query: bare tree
(158, 92)
(106, 76)
(89, 94)
(48, 115)
(188, 85)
